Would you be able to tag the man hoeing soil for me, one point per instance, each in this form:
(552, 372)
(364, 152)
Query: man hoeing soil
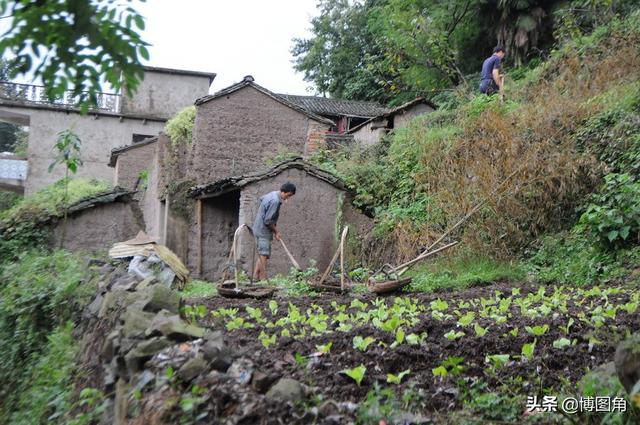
(264, 226)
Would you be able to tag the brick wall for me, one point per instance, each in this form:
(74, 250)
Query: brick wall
(237, 133)
(131, 163)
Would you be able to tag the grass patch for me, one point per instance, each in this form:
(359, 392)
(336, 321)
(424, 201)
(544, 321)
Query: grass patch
(199, 289)
(462, 272)
(38, 293)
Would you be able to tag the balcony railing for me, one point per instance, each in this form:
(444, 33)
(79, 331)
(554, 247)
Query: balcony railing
(32, 94)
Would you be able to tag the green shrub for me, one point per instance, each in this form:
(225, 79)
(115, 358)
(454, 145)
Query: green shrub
(180, 127)
(37, 293)
(613, 215)
(25, 225)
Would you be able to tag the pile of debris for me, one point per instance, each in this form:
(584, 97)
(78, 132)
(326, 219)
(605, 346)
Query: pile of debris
(156, 366)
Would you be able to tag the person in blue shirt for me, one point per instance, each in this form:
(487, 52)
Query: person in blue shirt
(490, 79)
(264, 226)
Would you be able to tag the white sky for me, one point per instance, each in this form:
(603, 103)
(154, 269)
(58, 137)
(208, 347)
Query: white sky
(232, 38)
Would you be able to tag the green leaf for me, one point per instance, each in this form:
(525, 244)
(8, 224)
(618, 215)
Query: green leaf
(361, 343)
(612, 235)
(452, 334)
(397, 379)
(527, 349)
(357, 373)
(439, 371)
(480, 331)
(325, 348)
(497, 360)
(561, 343)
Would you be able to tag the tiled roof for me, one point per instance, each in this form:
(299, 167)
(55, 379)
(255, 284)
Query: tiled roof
(117, 151)
(249, 81)
(229, 184)
(337, 107)
(391, 112)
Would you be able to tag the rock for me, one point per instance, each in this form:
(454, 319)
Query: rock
(105, 269)
(125, 283)
(220, 359)
(213, 338)
(161, 298)
(152, 346)
(120, 402)
(111, 345)
(241, 370)
(94, 308)
(261, 382)
(136, 358)
(192, 368)
(112, 300)
(146, 377)
(173, 327)
(145, 283)
(329, 408)
(627, 361)
(286, 389)
(136, 322)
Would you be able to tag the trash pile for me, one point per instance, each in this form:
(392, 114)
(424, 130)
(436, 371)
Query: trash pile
(151, 259)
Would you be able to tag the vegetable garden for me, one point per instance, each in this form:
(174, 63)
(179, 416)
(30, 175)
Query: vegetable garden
(487, 348)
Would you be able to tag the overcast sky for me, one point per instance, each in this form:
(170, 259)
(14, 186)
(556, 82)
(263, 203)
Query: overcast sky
(232, 38)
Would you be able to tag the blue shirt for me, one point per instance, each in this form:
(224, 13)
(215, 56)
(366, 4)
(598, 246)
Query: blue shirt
(488, 66)
(267, 214)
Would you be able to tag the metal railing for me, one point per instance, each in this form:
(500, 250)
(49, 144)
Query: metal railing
(32, 94)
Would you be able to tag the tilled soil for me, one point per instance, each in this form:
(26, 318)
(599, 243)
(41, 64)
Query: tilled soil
(548, 369)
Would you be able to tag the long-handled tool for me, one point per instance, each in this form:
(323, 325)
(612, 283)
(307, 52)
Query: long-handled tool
(339, 252)
(293, 260)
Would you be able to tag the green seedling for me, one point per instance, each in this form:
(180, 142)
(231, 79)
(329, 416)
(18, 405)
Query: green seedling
(285, 332)
(452, 334)
(397, 379)
(193, 313)
(467, 319)
(267, 340)
(255, 314)
(325, 348)
(439, 305)
(238, 323)
(391, 325)
(537, 330)
(479, 330)
(561, 343)
(345, 327)
(497, 360)
(569, 324)
(358, 304)
(357, 373)
(361, 343)
(527, 350)
(414, 339)
(301, 360)
(514, 332)
(440, 371)
(273, 307)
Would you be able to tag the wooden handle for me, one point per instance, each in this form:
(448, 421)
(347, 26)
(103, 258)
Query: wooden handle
(293, 260)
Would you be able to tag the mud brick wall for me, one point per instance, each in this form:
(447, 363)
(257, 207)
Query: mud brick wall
(98, 228)
(307, 221)
(131, 163)
(235, 134)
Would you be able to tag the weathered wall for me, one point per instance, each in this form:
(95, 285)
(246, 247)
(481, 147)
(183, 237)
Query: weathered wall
(234, 134)
(367, 135)
(132, 163)
(162, 94)
(402, 118)
(219, 222)
(98, 228)
(307, 221)
(98, 137)
(315, 137)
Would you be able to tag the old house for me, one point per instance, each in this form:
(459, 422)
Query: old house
(237, 132)
(310, 222)
(118, 120)
(372, 130)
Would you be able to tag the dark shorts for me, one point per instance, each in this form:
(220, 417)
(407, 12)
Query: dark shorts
(264, 246)
(489, 87)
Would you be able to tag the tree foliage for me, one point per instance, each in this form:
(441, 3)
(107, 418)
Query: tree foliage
(75, 45)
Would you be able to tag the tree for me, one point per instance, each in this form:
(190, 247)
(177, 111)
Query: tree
(75, 45)
(338, 58)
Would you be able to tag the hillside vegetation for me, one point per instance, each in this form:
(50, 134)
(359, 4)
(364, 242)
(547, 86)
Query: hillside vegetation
(559, 154)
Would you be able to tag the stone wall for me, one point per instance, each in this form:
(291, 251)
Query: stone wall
(237, 133)
(367, 135)
(402, 118)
